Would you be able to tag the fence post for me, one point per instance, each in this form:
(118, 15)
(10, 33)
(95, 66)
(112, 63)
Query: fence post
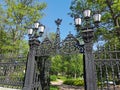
(28, 83)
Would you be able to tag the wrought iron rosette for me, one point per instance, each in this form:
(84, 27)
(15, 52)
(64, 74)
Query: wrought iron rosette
(88, 35)
(45, 48)
(68, 45)
(34, 43)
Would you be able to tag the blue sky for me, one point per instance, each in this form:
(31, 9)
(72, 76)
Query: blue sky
(58, 9)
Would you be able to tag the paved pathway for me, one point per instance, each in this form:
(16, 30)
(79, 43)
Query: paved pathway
(60, 84)
(68, 87)
(2, 88)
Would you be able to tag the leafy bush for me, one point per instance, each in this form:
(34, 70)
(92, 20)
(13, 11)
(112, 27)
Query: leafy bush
(53, 78)
(69, 81)
(75, 82)
(61, 77)
(54, 88)
(78, 82)
(117, 82)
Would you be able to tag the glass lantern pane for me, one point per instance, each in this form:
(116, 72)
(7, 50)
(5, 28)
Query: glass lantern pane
(87, 13)
(36, 25)
(30, 31)
(41, 28)
(78, 21)
(97, 17)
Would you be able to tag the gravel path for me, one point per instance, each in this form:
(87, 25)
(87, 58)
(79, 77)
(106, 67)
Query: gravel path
(68, 87)
(2, 88)
(60, 84)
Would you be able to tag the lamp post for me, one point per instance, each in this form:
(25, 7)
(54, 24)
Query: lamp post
(34, 33)
(87, 36)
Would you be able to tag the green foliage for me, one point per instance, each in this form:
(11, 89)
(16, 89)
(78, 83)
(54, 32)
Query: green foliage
(69, 81)
(61, 77)
(78, 82)
(54, 88)
(71, 66)
(75, 82)
(56, 64)
(53, 78)
(110, 11)
(16, 16)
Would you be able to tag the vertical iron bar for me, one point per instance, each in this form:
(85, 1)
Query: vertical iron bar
(84, 70)
(113, 74)
(107, 77)
(116, 54)
(118, 69)
(101, 76)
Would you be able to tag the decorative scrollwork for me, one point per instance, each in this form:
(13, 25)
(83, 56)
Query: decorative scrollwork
(88, 35)
(45, 48)
(68, 45)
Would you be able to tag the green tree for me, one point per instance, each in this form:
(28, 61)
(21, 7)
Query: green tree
(73, 65)
(3, 40)
(16, 17)
(56, 64)
(110, 25)
(70, 66)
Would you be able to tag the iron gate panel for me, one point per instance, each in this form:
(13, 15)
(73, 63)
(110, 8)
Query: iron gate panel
(70, 45)
(12, 71)
(41, 73)
(107, 62)
(44, 50)
(36, 80)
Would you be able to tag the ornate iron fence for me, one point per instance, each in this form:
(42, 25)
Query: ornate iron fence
(12, 70)
(107, 62)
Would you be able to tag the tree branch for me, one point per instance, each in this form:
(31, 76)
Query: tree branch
(111, 11)
(117, 20)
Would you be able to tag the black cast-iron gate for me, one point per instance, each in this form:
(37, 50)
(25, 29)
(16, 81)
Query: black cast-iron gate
(13, 69)
(107, 62)
(101, 68)
(38, 66)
